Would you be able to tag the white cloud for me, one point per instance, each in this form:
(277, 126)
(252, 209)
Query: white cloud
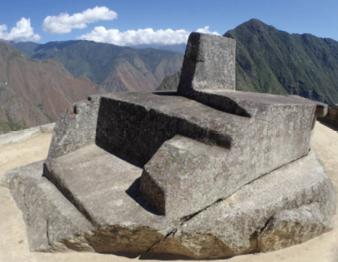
(141, 36)
(64, 23)
(205, 30)
(21, 32)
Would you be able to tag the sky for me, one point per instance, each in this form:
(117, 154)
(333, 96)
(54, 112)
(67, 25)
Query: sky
(126, 22)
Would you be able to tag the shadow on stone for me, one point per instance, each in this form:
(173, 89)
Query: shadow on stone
(181, 156)
(166, 257)
(124, 254)
(166, 93)
(173, 257)
(134, 192)
(220, 103)
(134, 127)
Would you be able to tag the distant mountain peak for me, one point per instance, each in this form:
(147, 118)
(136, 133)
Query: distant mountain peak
(273, 61)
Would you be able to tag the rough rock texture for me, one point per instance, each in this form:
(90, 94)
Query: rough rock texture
(185, 176)
(210, 174)
(75, 128)
(283, 123)
(209, 63)
(232, 226)
(100, 189)
(291, 227)
(104, 193)
(53, 223)
(285, 207)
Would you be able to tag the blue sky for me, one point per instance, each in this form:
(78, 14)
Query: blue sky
(167, 22)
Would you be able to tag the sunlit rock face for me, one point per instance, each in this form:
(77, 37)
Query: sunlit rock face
(207, 172)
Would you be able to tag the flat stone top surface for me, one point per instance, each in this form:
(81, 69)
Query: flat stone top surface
(166, 102)
(172, 104)
(257, 103)
(262, 98)
(100, 184)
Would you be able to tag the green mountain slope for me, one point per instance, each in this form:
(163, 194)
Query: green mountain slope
(115, 68)
(273, 61)
(25, 47)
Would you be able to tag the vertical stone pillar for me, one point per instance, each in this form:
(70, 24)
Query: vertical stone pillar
(209, 64)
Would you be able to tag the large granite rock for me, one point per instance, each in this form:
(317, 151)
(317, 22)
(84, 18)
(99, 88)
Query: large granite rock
(75, 128)
(212, 173)
(53, 223)
(287, 206)
(207, 172)
(264, 215)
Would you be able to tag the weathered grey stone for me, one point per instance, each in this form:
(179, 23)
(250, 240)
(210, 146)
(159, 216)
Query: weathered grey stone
(222, 172)
(278, 132)
(209, 70)
(283, 123)
(209, 63)
(75, 128)
(185, 176)
(232, 226)
(105, 189)
(264, 215)
(53, 223)
(153, 119)
(292, 227)
(156, 118)
(253, 104)
(96, 182)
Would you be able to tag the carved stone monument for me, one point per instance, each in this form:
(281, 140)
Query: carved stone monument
(206, 172)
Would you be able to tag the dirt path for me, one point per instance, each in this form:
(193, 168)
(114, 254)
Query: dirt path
(13, 238)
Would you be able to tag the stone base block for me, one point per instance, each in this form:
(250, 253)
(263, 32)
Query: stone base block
(287, 206)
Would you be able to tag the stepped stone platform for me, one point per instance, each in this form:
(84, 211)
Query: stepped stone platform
(207, 172)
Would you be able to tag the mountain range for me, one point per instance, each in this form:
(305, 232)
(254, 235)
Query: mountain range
(115, 68)
(37, 84)
(273, 61)
(34, 92)
(180, 48)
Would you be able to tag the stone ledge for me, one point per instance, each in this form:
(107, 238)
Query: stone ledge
(22, 135)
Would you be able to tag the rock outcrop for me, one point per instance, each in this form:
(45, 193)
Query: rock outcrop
(206, 172)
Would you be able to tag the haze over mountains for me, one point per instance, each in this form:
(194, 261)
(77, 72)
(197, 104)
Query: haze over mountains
(115, 68)
(34, 92)
(180, 48)
(273, 61)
